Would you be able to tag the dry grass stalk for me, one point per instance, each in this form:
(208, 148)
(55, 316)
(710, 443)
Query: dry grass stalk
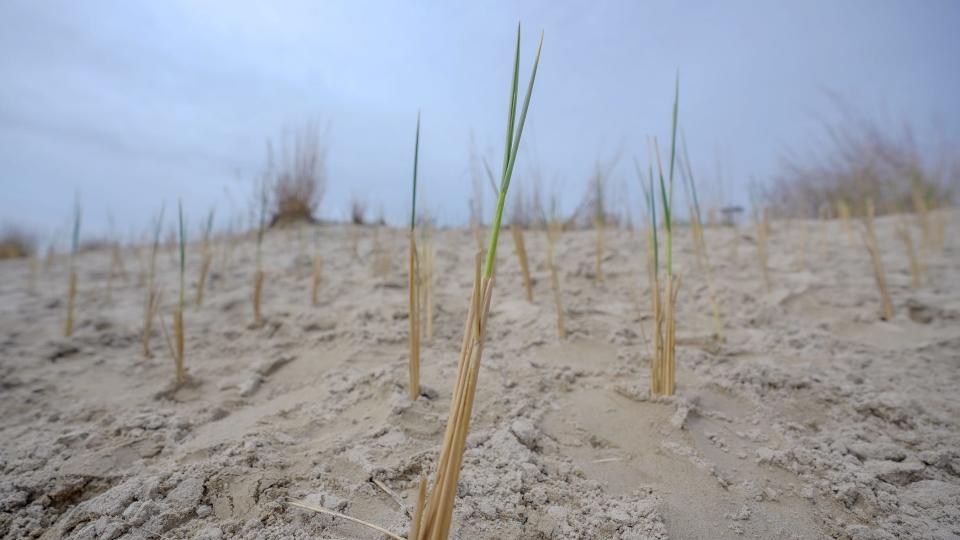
(413, 281)
(663, 363)
(699, 239)
(843, 210)
(598, 246)
(418, 509)
(903, 232)
(259, 274)
(322, 510)
(206, 258)
(824, 213)
(178, 313)
(258, 298)
(150, 313)
(922, 210)
(763, 237)
(870, 239)
(521, 249)
(72, 286)
(204, 271)
(71, 302)
(315, 282)
(438, 512)
(553, 234)
(179, 351)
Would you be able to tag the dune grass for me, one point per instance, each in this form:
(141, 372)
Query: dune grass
(412, 281)
(206, 257)
(178, 312)
(437, 513)
(72, 285)
(152, 302)
(663, 296)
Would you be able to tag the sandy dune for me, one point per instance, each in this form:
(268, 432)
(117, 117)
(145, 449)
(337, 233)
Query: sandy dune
(812, 419)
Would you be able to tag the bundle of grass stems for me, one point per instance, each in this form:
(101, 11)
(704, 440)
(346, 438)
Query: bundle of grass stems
(663, 298)
(72, 284)
(206, 257)
(433, 514)
(152, 302)
(177, 347)
(870, 240)
(413, 281)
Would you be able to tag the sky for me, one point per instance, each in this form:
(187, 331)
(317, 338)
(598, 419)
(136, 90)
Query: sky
(130, 105)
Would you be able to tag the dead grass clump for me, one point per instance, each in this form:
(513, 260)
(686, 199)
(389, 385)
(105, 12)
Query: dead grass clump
(300, 178)
(16, 243)
(859, 159)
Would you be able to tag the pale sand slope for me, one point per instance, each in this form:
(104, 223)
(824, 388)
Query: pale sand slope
(814, 419)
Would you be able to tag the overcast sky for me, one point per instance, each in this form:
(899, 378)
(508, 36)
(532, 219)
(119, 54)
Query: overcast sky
(134, 103)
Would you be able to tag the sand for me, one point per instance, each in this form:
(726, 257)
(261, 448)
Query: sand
(814, 418)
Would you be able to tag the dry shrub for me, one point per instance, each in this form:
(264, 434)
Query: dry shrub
(358, 210)
(300, 178)
(16, 243)
(860, 160)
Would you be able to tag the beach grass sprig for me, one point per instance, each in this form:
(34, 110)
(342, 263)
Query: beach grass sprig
(178, 312)
(153, 294)
(206, 257)
(412, 282)
(72, 285)
(437, 513)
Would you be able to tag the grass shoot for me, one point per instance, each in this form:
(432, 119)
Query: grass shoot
(153, 294)
(72, 285)
(437, 513)
(412, 281)
(206, 257)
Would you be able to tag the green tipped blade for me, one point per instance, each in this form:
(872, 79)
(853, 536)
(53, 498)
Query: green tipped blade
(416, 157)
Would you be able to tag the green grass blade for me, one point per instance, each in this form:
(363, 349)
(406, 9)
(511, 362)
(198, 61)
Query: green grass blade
(512, 110)
(416, 158)
(512, 152)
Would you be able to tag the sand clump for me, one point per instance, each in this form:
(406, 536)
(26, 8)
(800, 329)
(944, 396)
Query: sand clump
(813, 418)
